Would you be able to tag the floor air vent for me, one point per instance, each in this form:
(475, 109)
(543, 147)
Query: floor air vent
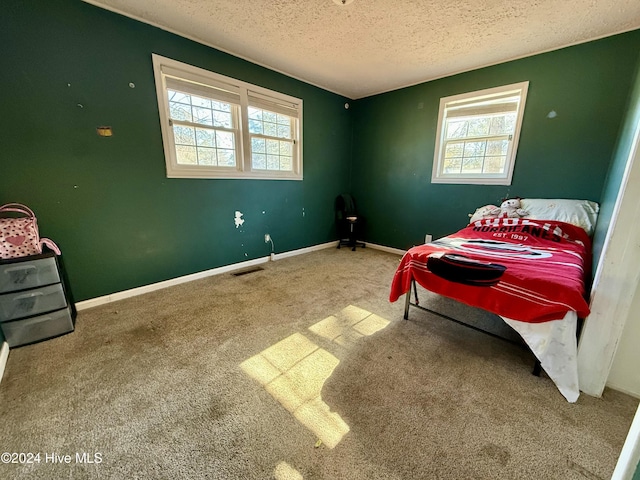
(248, 270)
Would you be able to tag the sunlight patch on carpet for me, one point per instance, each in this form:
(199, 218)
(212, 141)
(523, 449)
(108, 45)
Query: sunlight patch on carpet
(294, 370)
(284, 471)
(351, 324)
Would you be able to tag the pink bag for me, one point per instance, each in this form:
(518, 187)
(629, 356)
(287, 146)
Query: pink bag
(19, 236)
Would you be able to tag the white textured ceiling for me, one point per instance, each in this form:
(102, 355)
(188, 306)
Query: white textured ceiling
(372, 46)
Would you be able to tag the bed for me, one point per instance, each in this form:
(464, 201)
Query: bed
(531, 271)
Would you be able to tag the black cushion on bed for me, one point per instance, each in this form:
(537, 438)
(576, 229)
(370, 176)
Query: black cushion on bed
(461, 269)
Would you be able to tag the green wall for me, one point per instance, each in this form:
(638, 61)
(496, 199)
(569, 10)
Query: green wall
(620, 157)
(65, 69)
(563, 157)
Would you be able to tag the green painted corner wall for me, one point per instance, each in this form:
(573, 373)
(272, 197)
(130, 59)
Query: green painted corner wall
(621, 154)
(567, 156)
(65, 69)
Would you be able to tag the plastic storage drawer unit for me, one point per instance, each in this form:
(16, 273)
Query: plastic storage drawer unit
(34, 329)
(22, 304)
(29, 273)
(34, 303)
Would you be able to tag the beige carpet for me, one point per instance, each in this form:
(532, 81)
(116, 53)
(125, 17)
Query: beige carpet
(301, 370)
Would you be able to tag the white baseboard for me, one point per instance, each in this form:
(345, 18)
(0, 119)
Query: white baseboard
(613, 386)
(293, 253)
(397, 251)
(4, 356)
(94, 302)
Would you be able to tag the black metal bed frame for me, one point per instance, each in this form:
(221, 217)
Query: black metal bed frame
(537, 368)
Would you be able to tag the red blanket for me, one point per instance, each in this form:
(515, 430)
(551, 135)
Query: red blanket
(527, 270)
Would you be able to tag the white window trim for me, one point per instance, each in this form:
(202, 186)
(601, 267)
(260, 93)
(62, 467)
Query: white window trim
(163, 66)
(481, 178)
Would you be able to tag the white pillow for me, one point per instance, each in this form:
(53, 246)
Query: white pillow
(581, 213)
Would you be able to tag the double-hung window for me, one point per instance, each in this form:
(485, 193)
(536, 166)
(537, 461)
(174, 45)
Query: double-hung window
(272, 133)
(219, 127)
(477, 136)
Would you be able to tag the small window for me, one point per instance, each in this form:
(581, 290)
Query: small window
(219, 127)
(477, 136)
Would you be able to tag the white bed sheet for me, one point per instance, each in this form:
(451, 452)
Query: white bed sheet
(554, 343)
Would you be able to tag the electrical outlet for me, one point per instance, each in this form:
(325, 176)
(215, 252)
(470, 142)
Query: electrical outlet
(428, 238)
(267, 238)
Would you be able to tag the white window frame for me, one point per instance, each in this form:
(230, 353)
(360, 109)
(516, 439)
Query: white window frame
(242, 95)
(447, 103)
